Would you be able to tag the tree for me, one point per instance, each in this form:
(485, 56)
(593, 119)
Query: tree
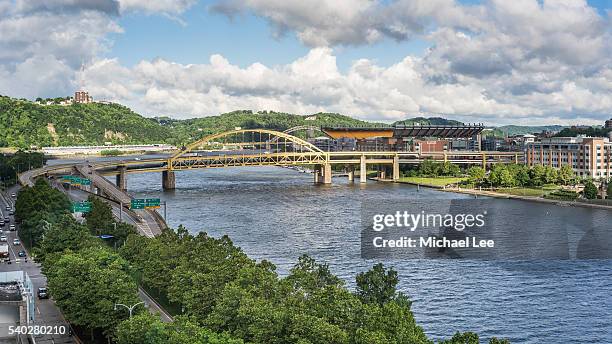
(147, 328)
(537, 174)
(476, 174)
(463, 338)
(429, 168)
(590, 190)
(609, 189)
(100, 218)
(565, 175)
(87, 284)
(377, 285)
(65, 234)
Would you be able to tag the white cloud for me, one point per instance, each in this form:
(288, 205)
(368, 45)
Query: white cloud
(352, 22)
(313, 83)
(169, 7)
(501, 61)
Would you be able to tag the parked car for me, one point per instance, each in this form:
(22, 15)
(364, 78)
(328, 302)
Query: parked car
(1, 223)
(8, 207)
(21, 253)
(16, 242)
(7, 219)
(14, 195)
(12, 228)
(42, 293)
(11, 212)
(3, 238)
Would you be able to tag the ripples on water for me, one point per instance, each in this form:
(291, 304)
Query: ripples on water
(278, 214)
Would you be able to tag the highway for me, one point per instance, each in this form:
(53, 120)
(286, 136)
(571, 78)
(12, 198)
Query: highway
(80, 195)
(47, 313)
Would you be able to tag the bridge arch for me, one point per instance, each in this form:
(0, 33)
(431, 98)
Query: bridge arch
(273, 134)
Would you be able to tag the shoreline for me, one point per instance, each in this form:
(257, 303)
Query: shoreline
(494, 194)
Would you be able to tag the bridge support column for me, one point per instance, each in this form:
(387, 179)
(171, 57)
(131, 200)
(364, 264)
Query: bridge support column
(327, 174)
(317, 174)
(382, 171)
(168, 180)
(363, 171)
(351, 173)
(396, 169)
(121, 179)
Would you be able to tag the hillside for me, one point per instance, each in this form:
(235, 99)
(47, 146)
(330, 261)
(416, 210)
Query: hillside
(25, 123)
(428, 121)
(521, 130)
(247, 119)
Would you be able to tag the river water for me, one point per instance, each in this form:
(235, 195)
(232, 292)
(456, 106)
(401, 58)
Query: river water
(278, 214)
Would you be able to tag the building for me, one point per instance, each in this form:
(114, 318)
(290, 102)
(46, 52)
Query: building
(608, 124)
(82, 97)
(17, 305)
(403, 137)
(588, 156)
(333, 145)
(430, 146)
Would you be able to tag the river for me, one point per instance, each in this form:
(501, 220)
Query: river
(278, 214)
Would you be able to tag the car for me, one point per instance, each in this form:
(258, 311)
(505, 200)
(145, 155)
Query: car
(12, 228)
(8, 207)
(7, 219)
(21, 253)
(11, 212)
(3, 238)
(14, 195)
(42, 293)
(2, 223)
(16, 242)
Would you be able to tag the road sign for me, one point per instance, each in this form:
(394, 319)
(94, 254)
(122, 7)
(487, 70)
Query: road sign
(81, 207)
(145, 203)
(76, 180)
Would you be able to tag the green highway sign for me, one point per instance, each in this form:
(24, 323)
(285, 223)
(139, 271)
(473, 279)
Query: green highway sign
(145, 203)
(81, 207)
(76, 180)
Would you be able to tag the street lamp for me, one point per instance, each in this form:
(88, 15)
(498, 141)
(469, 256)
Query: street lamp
(129, 308)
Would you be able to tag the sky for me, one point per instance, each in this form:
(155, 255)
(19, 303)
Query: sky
(489, 61)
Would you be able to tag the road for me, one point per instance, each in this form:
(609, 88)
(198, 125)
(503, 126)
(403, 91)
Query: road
(47, 313)
(80, 195)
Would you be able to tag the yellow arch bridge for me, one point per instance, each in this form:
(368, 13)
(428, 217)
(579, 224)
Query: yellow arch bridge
(262, 147)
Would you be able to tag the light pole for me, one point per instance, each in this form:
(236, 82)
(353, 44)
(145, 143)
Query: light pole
(129, 308)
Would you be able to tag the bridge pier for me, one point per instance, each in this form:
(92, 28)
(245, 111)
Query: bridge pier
(327, 174)
(317, 174)
(351, 173)
(121, 178)
(396, 169)
(382, 172)
(363, 171)
(168, 180)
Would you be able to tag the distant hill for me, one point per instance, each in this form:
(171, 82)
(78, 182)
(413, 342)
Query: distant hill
(24, 124)
(428, 121)
(522, 130)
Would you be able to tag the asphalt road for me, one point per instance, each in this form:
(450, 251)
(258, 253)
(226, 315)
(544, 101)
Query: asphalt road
(47, 313)
(151, 305)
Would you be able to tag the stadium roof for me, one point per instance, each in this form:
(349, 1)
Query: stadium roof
(400, 131)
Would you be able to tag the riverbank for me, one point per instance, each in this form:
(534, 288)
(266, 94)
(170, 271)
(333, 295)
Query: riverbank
(488, 193)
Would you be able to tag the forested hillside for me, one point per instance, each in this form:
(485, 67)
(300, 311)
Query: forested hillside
(428, 121)
(24, 123)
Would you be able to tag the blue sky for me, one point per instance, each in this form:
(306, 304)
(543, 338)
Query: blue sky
(195, 35)
(490, 61)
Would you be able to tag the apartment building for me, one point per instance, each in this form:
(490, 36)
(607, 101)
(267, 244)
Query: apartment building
(588, 156)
